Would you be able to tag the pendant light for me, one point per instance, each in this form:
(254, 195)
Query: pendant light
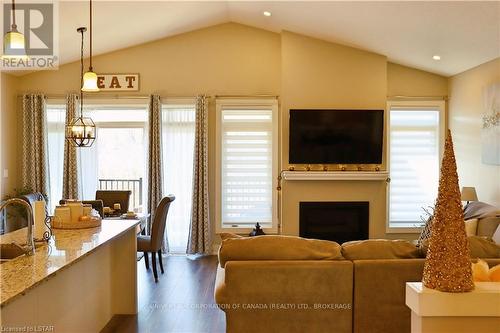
(14, 45)
(90, 77)
(81, 131)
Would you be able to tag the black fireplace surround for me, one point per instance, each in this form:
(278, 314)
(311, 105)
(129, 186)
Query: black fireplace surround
(338, 221)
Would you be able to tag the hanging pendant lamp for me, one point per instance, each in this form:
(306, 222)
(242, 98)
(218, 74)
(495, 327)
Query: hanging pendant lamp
(14, 45)
(81, 131)
(90, 77)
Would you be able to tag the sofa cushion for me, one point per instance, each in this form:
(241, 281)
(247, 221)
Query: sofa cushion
(481, 247)
(487, 226)
(379, 249)
(270, 247)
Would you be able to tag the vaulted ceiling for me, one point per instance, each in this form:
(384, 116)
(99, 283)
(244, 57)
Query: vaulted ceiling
(463, 34)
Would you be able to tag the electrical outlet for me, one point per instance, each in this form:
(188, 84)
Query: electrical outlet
(5, 173)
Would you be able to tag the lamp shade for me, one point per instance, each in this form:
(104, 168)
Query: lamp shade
(90, 81)
(14, 45)
(469, 194)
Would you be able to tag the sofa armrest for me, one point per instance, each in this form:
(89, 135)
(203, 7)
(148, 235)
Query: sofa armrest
(379, 294)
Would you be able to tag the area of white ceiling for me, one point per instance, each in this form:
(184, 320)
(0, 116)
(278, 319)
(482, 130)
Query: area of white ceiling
(464, 34)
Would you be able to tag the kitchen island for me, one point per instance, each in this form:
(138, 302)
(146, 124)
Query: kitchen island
(75, 283)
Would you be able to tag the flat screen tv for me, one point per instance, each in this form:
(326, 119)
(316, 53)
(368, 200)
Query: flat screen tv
(336, 136)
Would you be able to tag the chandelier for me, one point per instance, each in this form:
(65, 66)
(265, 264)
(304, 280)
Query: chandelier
(81, 131)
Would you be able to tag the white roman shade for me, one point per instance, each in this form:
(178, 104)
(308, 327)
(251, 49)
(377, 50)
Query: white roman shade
(415, 141)
(247, 158)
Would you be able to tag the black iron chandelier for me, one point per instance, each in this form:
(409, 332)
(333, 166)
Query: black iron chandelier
(81, 131)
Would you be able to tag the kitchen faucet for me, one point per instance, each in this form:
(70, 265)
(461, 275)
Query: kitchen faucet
(30, 244)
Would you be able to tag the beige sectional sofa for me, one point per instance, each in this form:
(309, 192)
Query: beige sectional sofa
(289, 284)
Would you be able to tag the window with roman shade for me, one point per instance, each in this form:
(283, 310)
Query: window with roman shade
(247, 163)
(415, 145)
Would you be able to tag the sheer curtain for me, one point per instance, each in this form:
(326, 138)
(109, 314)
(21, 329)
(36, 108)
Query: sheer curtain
(88, 170)
(178, 128)
(56, 121)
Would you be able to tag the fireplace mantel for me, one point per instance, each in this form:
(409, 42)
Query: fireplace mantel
(335, 175)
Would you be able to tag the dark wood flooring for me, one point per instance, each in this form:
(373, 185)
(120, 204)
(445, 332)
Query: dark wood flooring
(182, 300)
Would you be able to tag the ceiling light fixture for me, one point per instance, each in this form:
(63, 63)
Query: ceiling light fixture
(81, 131)
(90, 77)
(436, 57)
(266, 13)
(13, 42)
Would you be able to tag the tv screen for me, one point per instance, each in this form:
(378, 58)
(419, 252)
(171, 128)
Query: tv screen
(336, 136)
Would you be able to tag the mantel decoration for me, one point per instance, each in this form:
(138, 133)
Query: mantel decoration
(13, 42)
(81, 131)
(448, 265)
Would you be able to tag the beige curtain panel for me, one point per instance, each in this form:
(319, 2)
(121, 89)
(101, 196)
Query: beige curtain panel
(199, 232)
(70, 167)
(34, 151)
(155, 179)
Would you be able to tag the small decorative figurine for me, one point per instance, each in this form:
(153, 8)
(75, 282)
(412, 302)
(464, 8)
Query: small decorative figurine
(257, 231)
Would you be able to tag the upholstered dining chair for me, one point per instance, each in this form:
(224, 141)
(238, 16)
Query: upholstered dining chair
(110, 197)
(153, 242)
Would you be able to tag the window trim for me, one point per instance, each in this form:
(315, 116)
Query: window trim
(222, 103)
(440, 105)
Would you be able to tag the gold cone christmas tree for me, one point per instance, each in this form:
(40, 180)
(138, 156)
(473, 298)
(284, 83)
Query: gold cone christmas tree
(448, 265)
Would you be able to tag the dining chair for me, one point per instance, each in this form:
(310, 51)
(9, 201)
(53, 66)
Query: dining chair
(153, 242)
(110, 197)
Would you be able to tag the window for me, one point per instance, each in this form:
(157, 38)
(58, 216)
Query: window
(178, 131)
(56, 122)
(117, 158)
(415, 146)
(247, 141)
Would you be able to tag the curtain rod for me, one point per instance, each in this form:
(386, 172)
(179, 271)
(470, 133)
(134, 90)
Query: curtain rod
(445, 98)
(90, 96)
(246, 96)
(162, 96)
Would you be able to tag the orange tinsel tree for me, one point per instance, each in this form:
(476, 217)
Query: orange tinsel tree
(448, 264)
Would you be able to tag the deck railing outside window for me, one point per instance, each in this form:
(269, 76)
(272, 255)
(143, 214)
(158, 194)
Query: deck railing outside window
(134, 185)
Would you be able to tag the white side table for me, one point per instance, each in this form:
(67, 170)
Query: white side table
(434, 311)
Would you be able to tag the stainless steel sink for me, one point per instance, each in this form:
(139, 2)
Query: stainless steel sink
(12, 251)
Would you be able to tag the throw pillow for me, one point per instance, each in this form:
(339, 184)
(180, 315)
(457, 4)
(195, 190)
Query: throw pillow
(478, 210)
(471, 227)
(487, 226)
(481, 247)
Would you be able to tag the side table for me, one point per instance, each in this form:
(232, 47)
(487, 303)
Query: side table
(434, 311)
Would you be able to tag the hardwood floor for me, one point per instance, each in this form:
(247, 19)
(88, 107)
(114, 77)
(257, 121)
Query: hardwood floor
(181, 301)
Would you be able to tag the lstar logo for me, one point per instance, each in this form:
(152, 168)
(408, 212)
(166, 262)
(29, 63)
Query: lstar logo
(30, 31)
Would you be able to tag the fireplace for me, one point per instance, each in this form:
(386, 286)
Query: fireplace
(336, 221)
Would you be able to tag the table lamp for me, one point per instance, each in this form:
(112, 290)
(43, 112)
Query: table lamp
(469, 194)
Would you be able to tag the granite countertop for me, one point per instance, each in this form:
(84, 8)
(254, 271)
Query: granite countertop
(64, 249)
